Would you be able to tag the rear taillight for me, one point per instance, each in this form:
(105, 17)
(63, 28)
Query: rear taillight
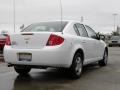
(8, 42)
(54, 40)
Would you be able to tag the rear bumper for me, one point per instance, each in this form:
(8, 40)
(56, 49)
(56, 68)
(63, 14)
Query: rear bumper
(47, 56)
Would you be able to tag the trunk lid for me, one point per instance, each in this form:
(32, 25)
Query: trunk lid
(30, 40)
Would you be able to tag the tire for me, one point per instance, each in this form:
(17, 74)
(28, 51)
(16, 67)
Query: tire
(104, 61)
(22, 70)
(110, 45)
(77, 66)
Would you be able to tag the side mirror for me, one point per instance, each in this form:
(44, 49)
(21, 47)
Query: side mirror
(98, 36)
(102, 37)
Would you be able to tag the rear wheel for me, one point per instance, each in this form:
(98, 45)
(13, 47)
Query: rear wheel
(104, 61)
(22, 70)
(77, 66)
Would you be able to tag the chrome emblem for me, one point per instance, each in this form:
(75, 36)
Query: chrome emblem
(27, 42)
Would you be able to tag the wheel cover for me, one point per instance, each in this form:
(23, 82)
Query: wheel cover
(78, 65)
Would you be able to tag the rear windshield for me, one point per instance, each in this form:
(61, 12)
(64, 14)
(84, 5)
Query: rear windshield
(46, 27)
(2, 36)
(115, 38)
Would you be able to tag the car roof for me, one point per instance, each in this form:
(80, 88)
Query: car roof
(75, 21)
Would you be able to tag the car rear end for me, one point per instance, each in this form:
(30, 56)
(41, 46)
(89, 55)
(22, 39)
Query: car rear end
(2, 42)
(37, 49)
(114, 41)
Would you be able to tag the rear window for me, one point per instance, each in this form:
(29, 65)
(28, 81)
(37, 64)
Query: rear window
(46, 27)
(2, 36)
(115, 38)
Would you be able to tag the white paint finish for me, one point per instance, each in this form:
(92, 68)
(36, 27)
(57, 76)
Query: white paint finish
(69, 29)
(56, 56)
(37, 40)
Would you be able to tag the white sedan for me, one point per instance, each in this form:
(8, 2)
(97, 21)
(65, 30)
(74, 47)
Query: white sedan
(66, 44)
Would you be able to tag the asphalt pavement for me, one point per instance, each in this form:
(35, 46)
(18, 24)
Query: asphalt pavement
(93, 77)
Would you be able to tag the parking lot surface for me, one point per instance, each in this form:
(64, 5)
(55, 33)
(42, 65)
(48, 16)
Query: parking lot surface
(93, 77)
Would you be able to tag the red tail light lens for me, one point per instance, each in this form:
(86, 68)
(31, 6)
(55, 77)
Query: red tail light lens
(54, 40)
(8, 42)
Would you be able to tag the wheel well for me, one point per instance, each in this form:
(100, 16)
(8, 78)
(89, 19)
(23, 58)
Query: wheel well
(81, 52)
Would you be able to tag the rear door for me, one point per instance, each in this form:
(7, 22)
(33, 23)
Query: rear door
(85, 41)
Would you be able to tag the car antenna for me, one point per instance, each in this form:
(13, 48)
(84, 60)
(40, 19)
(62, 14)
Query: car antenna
(61, 12)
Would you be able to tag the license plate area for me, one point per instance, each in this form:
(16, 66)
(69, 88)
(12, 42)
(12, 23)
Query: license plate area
(24, 57)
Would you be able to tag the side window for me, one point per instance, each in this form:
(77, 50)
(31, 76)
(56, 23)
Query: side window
(82, 30)
(91, 32)
(76, 30)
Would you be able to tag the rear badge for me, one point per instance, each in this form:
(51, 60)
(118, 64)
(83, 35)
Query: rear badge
(27, 42)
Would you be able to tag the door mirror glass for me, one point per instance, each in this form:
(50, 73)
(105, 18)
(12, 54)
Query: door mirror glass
(102, 37)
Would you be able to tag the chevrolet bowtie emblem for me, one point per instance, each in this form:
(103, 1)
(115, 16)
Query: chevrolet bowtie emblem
(26, 42)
